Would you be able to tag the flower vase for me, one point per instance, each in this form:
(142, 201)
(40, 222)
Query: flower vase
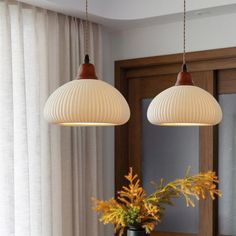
(136, 232)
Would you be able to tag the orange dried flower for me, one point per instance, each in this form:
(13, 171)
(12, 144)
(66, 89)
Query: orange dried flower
(134, 208)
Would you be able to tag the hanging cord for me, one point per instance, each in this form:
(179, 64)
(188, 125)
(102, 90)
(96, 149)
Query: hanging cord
(86, 60)
(184, 39)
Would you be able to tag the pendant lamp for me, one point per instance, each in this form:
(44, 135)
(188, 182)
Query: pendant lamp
(184, 104)
(86, 101)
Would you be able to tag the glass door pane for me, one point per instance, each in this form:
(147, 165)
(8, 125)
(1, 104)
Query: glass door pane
(166, 153)
(227, 166)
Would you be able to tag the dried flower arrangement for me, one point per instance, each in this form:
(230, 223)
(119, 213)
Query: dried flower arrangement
(134, 208)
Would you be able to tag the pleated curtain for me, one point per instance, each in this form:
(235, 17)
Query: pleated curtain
(48, 174)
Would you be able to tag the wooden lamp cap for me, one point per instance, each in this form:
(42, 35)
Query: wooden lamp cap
(86, 70)
(184, 77)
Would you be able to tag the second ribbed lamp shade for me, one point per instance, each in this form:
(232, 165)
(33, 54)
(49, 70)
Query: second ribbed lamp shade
(87, 102)
(184, 105)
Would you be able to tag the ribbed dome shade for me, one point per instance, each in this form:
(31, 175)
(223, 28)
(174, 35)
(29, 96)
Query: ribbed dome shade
(184, 105)
(86, 102)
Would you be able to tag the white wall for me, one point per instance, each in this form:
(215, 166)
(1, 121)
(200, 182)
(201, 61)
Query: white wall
(202, 34)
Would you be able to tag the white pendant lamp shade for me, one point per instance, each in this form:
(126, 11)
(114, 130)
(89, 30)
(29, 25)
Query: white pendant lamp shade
(87, 101)
(184, 105)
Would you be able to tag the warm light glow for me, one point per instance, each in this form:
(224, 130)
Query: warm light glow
(86, 124)
(184, 106)
(183, 124)
(86, 102)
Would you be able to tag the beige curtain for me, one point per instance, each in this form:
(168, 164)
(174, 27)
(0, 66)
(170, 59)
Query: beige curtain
(47, 174)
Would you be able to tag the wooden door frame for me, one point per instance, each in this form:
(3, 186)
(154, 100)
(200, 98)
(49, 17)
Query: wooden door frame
(125, 70)
(218, 59)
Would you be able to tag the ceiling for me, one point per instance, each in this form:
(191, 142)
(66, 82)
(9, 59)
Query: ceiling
(119, 14)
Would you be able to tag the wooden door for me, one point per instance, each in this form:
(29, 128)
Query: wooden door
(144, 78)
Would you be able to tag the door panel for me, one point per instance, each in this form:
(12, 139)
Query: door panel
(166, 153)
(152, 163)
(227, 165)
